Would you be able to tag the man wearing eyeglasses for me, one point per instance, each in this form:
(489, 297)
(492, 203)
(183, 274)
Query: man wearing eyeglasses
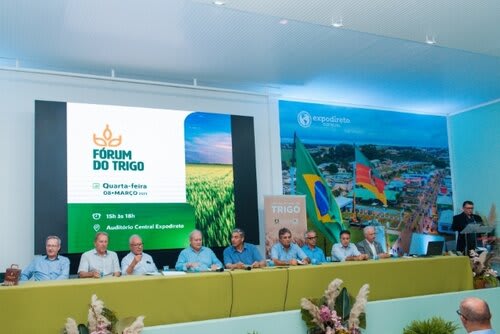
(137, 262)
(475, 316)
(51, 266)
(461, 221)
(313, 252)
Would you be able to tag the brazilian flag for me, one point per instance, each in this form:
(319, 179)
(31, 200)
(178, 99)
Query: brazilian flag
(322, 209)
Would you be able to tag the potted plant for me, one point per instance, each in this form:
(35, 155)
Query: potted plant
(434, 325)
(332, 313)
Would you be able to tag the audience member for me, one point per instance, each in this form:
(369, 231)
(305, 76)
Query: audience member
(99, 262)
(370, 246)
(345, 250)
(313, 252)
(197, 257)
(241, 254)
(137, 262)
(475, 316)
(51, 266)
(285, 252)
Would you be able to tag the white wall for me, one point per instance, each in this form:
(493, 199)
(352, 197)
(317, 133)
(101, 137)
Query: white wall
(475, 158)
(19, 90)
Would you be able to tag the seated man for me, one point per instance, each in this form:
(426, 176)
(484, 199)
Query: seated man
(345, 250)
(241, 254)
(48, 267)
(285, 252)
(137, 262)
(100, 261)
(314, 253)
(197, 257)
(370, 246)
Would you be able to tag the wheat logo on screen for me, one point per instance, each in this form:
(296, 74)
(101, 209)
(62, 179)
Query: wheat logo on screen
(107, 139)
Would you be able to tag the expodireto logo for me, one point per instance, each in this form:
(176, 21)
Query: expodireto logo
(304, 119)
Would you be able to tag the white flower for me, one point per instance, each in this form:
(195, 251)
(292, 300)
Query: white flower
(136, 327)
(71, 326)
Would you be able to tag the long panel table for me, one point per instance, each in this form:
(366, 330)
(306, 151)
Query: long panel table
(42, 307)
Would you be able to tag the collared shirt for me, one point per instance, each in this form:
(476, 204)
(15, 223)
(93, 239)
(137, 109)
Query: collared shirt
(372, 247)
(146, 265)
(314, 254)
(484, 331)
(339, 252)
(107, 264)
(42, 269)
(286, 254)
(205, 257)
(248, 255)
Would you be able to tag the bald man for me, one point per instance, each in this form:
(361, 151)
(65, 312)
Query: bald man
(475, 316)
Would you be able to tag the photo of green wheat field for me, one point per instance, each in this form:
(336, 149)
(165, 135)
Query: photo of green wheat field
(210, 190)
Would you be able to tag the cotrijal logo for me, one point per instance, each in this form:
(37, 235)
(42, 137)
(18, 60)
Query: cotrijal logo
(107, 139)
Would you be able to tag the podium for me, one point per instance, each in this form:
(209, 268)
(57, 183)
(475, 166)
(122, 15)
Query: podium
(472, 230)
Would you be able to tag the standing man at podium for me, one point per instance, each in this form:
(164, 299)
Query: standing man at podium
(461, 221)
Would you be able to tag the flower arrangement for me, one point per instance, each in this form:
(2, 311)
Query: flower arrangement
(102, 320)
(332, 314)
(481, 269)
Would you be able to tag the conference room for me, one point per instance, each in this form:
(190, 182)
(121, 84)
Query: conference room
(157, 119)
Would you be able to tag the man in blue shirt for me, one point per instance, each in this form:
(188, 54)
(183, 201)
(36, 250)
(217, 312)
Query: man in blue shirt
(314, 253)
(285, 252)
(345, 250)
(241, 254)
(197, 257)
(137, 262)
(48, 267)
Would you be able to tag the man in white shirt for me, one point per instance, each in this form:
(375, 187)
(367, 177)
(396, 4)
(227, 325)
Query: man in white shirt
(137, 262)
(345, 250)
(100, 261)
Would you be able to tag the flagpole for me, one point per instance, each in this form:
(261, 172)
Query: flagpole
(354, 219)
(292, 166)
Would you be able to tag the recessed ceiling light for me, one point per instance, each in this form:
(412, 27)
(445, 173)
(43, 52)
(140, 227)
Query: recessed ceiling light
(283, 21)
(219, 3)
(430, 40)
(337, 24)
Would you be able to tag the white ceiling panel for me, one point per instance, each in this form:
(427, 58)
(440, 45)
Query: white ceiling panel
(379, 58)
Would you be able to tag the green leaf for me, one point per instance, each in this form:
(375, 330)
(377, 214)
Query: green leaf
(82, 329)
(343, 305)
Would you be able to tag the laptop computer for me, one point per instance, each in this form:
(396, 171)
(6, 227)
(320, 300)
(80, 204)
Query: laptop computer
(434, 248)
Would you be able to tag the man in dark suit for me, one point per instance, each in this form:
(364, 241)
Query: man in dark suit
(370, 246)
(461, 221)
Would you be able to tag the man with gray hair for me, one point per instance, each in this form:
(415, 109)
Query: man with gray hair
(99, 262)
(475, 316)
(137, 262)
(313, 252)
(51, 266)
(241, 254)
(370, 246)
(197, 257)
